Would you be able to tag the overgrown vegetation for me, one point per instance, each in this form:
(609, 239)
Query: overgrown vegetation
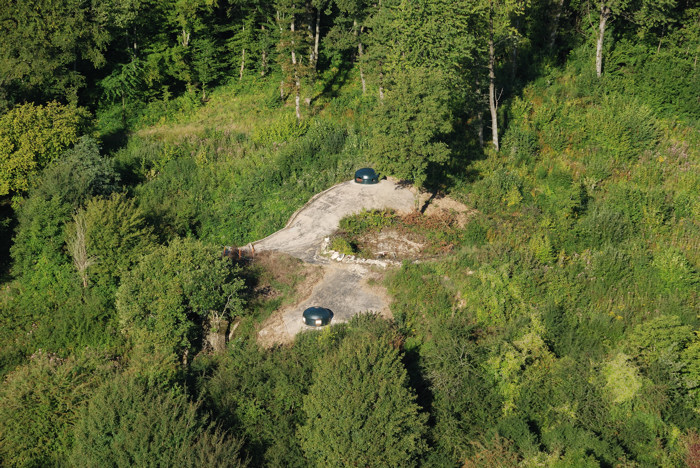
(374, 233)
(556, 326)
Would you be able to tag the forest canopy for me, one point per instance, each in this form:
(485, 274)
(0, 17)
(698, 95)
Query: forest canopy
(554, 324)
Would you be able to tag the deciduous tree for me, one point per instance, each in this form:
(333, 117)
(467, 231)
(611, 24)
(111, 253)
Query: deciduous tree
(127, 423)
(33, 136)
(41, 402)
(162, 303)
(410, 123)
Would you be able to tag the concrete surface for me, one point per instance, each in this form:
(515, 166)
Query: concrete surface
(342, 289)
(319, 218)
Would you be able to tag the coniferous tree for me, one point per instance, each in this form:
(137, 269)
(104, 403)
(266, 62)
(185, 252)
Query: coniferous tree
(360, 410)
(410, 123)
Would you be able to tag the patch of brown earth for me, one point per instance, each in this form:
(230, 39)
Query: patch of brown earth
(392, 244)
(442, 205)
(282, 271)
(282, 274)
(413, 237)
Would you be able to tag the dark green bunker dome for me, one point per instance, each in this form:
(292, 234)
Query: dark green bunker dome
(317, 316)
(366, 175)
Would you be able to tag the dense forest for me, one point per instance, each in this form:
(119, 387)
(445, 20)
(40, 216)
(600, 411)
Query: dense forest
(557, 327)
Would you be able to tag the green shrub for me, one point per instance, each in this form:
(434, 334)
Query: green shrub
(674, 272)
(419, 297)
(342, 246)
(520, 144)
(604, 225)
(284, 129)
(475, 233)
(621, 128)
(127, 423)
(499, 187)
(367, 220)
(541, 247)
(611, 265)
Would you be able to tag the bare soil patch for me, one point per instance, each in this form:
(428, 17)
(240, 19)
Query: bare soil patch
(392, 244)
(446, 206)
(282, 274)
(412, 236)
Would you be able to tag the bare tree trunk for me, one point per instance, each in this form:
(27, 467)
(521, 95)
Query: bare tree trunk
(360, 53)
(297, 83)
(240, 75)
(317, 38)
(480, 130)
(77, 246)
(279, 22)
(297, 97)
(492, 85)
(185, 38)
(263, 64)
(555, 25)
(604, 15)
(294, 54)
(381, 86)
(309, 30)
(480, 116)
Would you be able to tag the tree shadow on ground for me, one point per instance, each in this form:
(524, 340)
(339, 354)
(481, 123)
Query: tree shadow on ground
(8, 222)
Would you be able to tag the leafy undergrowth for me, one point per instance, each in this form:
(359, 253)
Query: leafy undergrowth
(236, 181)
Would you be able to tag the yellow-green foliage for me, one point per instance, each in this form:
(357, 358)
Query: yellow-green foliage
(284, 128)
(498, 298)
(32, 136)
(341, 245)
(622, 380)
(515, 364)
(691, 372)
(541, 248)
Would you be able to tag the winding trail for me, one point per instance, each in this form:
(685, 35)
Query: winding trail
(343, 287)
